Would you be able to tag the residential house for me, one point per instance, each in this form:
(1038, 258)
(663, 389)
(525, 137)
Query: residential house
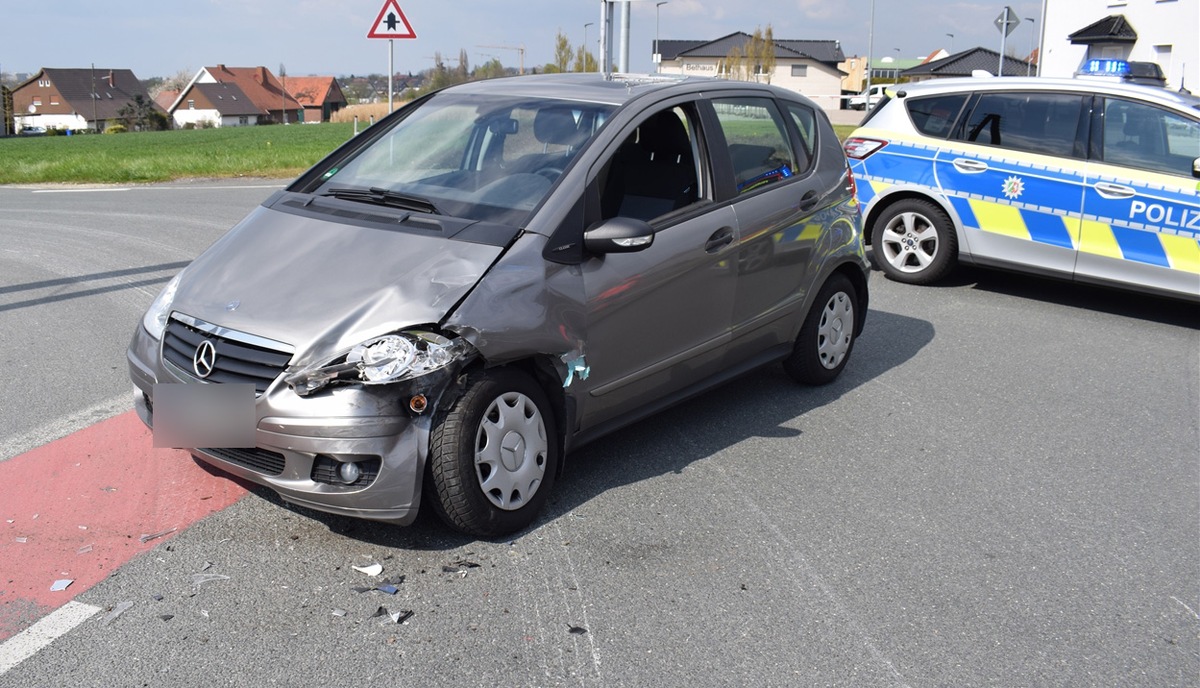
(806, 66)
(967, 63)
(321, 96)
(1159, 31)
(234, 96)
(76, 99)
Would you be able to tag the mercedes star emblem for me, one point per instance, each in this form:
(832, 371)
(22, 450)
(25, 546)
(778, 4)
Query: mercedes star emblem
(205, 359)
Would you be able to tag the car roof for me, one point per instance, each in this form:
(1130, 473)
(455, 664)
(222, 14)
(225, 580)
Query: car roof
(613, 89)
(1091, 85)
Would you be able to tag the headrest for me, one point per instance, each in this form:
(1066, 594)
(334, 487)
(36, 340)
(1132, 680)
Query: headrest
(556, 125)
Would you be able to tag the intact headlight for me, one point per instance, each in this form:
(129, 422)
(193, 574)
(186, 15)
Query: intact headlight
(155, 319)
(384, 360)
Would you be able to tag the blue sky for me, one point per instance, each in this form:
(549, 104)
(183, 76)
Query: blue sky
(329, 36)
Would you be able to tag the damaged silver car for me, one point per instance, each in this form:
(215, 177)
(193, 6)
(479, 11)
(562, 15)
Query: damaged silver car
(497, 273)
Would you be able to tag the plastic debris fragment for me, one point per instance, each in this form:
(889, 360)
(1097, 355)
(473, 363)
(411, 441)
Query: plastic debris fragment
(167, 617)
(157, 598)
(370, 570)
(575, 366)
(460, 567)
(118, 610)
(61, 584)
(396, 617)
(576, 630)
(84, 550)
(22, 539)
(339, 612)
(199, 579)
(147, 537)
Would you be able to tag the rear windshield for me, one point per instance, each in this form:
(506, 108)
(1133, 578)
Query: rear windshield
(483, 157)
(935, 115)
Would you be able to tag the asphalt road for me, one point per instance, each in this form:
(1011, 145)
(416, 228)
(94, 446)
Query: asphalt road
(1003, 489)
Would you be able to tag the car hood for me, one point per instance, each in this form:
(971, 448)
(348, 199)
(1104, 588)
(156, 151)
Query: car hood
(323, 286)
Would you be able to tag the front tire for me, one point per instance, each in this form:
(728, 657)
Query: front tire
(493, 454)
(827, 336)
(914, 242)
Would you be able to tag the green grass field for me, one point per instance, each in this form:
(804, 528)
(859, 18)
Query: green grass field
(274, 151)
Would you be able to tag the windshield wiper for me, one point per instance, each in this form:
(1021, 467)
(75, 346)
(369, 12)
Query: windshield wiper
(383, 196)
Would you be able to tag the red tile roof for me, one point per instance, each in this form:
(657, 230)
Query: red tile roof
(259, 85)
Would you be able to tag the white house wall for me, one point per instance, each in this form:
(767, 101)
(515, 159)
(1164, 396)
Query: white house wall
(822, 84)
(184, 116)
(1166, 31)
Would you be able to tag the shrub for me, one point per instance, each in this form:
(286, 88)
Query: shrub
(115, 129)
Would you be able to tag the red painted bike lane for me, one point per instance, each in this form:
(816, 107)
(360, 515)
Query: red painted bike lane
(80, 507)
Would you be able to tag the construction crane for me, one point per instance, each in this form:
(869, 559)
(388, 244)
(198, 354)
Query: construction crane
(520, 53)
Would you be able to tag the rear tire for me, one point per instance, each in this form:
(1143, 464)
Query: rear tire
(827, 336)
(914, 242)
(493, 455)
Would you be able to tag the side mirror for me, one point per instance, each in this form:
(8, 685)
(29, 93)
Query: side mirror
(619, 235)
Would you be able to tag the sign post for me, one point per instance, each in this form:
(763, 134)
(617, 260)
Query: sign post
(391, 24)
(1007, 22)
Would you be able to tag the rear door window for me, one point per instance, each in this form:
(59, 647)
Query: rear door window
(1148, 137)
(1044, 123)
(758, 142)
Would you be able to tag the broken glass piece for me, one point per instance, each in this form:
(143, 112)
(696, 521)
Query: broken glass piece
(22, 539)
(370, 570)
(147, 537)
(157, 598)
(382, 611)
(84, 550)
(576, 630)
(61, 584)
(199, 579)
(339, 612)
(118, 610)
(167, 617)
(389, 589)
(401, 616)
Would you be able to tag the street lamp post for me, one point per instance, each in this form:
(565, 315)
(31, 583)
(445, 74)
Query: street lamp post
(1028, 64)
(583, 61)
(951, 43)
(657, 52)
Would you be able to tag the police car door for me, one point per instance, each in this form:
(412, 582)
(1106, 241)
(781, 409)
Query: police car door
(1141, 210)
(1015, 178)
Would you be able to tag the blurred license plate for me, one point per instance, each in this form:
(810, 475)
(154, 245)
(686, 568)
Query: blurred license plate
(191, 416)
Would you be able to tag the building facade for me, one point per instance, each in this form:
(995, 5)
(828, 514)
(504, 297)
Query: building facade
(1159, 31)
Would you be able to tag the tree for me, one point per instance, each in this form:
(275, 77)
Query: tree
(563, 54)
(754, 57)
(585, 61)
(489, 70)
(139, 114)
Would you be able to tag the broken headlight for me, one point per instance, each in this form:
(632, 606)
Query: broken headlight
(384, 360)
(155, 319)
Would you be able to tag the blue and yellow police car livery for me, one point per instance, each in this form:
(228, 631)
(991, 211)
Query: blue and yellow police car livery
(1081, 179)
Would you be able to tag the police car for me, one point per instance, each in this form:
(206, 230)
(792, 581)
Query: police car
(1092, 180)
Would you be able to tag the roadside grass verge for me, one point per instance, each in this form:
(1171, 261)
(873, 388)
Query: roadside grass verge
(271, 151)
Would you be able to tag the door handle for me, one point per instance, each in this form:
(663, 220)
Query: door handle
(719, 240)
(808, 200)
(969, 166)
(1113, 191)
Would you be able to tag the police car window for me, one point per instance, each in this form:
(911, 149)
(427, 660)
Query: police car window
(758, 144)
(1043, 123)
(935, 115)
(1147, 137)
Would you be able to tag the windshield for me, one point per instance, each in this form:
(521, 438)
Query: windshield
(483, 157)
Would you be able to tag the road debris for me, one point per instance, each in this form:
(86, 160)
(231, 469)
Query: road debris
(84, 550)
(147, 537)
(199, 579)
(339, 612)
(461, 567)
(371, 569)
(61, 584)
(22, 539)
(576, 630)
(396, 617)
(118, 610)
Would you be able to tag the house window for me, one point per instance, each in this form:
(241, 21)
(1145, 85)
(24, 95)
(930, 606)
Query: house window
(37, 100)
(243, 119)
(191, 105)
(800, 70)
(53, 99)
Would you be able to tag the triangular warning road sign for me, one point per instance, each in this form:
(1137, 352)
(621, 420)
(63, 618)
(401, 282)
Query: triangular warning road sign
(391, 23)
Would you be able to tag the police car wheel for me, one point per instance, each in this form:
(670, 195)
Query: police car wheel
(913, 241)
(493, 454)
(827, 336)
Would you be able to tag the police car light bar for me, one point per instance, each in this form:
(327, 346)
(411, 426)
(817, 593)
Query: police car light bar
(1118, 68)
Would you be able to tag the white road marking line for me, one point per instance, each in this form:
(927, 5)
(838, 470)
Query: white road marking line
(162, 188)
(30, 641)
(78, 190)
(15, 445)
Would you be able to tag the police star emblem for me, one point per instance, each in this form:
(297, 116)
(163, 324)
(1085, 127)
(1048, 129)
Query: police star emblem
(1013, 187)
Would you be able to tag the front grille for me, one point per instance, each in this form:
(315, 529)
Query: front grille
(258, 460)
(241, 358)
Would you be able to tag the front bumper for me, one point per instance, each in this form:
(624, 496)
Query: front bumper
(300, 438)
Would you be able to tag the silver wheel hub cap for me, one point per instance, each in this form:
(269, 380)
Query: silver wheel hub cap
(909, 242)
(511, 449)
(835, 332)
